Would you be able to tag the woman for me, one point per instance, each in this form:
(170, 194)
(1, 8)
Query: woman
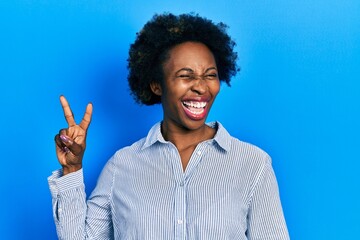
(186, 179)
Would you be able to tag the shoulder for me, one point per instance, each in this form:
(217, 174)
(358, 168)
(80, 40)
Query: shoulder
(249, 151)
(242, 156)
(141, 148)
(130, 150)
(241, 150)
(253, 160)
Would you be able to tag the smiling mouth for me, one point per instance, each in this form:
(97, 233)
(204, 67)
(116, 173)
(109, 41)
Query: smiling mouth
(195, 108)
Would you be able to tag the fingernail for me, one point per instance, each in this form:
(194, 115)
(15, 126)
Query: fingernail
(66, 149)
(65, 139)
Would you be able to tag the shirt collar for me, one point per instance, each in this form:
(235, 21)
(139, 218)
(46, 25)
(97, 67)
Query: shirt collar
(154, 136)
(222, 137)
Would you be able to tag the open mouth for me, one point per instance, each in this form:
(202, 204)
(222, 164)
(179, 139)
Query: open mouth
(194, 109)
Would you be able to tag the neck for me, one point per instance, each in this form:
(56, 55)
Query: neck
(183, 138)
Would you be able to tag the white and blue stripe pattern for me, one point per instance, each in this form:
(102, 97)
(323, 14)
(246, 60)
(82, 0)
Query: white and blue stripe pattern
(228, 191)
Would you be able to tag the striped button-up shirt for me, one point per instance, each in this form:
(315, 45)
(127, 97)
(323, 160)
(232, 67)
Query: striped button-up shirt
(227, 191)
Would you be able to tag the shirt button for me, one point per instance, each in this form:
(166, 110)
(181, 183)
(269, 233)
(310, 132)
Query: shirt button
(59, 210)
(182, 184)
(179, 221)
(199, 153)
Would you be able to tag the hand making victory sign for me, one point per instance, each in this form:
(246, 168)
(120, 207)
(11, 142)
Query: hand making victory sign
(71, 141)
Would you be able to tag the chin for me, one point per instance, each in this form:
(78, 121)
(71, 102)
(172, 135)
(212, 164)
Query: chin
(191, 124)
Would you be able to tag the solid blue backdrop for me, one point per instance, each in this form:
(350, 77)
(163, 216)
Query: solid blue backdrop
(297, 97)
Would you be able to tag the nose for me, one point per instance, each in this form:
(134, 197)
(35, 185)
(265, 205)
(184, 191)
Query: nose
(199, 86)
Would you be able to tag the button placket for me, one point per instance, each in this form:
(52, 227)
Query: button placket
(179, 197)
(180, 210)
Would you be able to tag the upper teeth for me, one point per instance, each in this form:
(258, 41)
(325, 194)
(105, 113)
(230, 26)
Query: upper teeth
(195, 104)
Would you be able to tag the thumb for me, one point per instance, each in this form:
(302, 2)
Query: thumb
(74, 148)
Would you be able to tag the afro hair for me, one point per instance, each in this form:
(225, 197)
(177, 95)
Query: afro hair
(159, 35)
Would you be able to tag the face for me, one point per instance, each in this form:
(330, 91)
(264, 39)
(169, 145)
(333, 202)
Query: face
(189, 87)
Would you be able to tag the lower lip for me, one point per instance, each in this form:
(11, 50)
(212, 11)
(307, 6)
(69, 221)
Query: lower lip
(193, 116)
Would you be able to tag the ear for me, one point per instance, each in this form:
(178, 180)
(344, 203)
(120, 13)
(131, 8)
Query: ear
(156, 88)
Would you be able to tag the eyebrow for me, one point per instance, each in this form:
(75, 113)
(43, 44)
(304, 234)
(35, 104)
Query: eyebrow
(192, 71)
(211, 68)
(184, 69)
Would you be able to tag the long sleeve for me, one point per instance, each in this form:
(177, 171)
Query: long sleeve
(69, 204)
(76, 219)
(266, 219)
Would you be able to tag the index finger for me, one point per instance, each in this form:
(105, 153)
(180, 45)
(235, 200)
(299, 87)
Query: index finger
(67, 111)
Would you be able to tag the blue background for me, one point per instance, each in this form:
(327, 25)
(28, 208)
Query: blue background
(297, 97)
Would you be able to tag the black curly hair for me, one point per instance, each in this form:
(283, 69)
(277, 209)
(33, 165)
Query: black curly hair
(159, 35)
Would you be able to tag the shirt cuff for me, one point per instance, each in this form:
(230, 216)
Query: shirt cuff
(59, 183)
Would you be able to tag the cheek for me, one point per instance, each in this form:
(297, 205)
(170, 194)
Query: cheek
(214, 88)
(172, 94)
(178, 89)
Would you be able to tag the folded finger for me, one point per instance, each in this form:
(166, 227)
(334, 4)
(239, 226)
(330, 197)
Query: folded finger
(59, 144)
(58, 141)
(62, 139)
(69, 145)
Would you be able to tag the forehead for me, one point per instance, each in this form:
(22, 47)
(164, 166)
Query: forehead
(193, 55)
